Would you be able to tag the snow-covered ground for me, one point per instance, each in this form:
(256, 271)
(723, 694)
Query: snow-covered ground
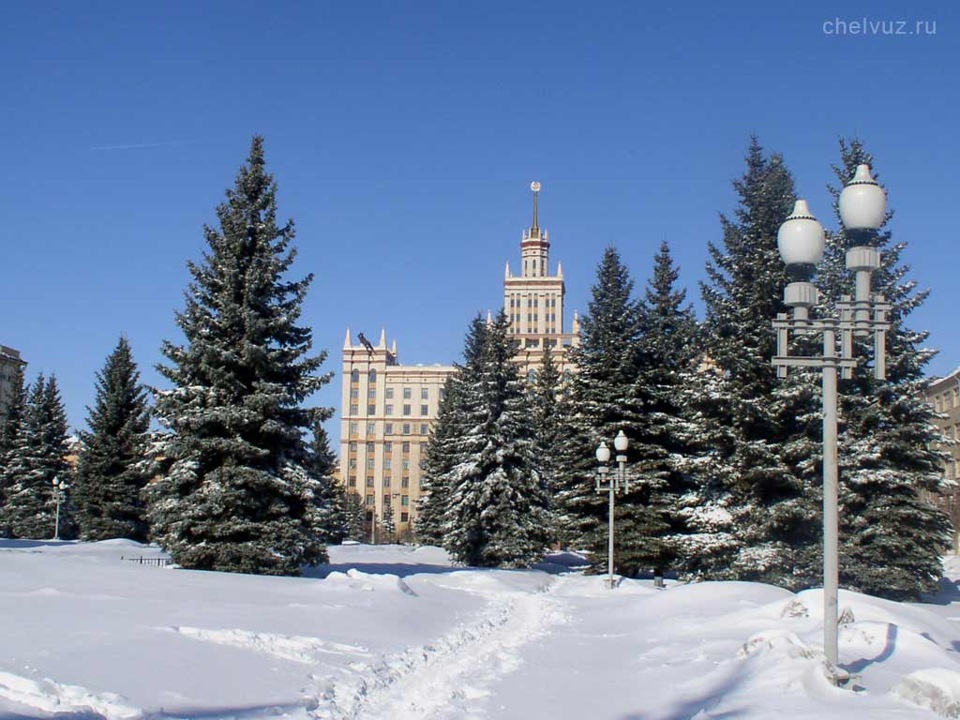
(397, 633)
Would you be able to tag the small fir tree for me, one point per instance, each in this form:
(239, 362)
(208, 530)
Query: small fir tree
(111, 467)
(237, 495)
(37, 458)
(330, 497)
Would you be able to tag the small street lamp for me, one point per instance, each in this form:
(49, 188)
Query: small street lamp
(612, 485)
(59, 488)
(801, 241)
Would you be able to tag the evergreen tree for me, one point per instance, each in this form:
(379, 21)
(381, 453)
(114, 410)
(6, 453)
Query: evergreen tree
(111, 468)
(388, 526)
(9, 434)
(237, 495)
(667, 443)
(547, 417)
(765, 431)
(891, 534)
(497, 508)
(440, 453)
(330, 497)
(354, 516)
(603, 401)
(37, 458)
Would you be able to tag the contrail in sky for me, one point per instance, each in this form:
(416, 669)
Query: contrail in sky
(136, 146)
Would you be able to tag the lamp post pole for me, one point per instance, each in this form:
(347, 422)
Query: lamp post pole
(58, 488)
(612, 485)
(801, 242)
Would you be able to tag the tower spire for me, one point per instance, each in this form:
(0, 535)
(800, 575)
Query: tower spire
(535, 229)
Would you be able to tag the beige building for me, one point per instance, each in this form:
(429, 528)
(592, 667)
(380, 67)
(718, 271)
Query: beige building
(943, 394)
(10, 362)
(387, 409)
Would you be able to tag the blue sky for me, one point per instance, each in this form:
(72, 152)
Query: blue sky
(405, 135)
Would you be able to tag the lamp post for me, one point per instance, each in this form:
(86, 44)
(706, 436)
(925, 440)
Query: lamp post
(801, 242)
(612, 485)
(59, 487)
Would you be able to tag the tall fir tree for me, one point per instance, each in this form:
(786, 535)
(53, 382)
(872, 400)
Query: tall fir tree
(891, 534)
(9, 434)
(497, 507)
(547, 415)
(111, 466)
(668, 439)
(38, 457)
(603, 401)
(765, 483)
(237, 495)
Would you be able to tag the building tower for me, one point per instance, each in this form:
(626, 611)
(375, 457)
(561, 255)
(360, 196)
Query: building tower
(533, 300)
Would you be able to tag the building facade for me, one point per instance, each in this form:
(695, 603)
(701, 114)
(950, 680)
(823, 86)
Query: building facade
(943, 394)
(387, 409)
(10, 363)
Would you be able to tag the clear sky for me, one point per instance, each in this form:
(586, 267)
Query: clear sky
(404, 136)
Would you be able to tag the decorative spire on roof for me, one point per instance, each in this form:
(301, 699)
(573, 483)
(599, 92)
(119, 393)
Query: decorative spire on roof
(535, 229)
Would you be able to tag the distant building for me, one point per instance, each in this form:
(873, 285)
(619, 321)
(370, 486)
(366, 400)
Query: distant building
(10, 362)
(943, 394)
(387, 409)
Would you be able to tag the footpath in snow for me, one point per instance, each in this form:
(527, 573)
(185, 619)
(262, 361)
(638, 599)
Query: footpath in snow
(397, 633)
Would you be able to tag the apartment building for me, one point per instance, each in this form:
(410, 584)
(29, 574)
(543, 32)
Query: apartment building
(10, 363)
(387, 409)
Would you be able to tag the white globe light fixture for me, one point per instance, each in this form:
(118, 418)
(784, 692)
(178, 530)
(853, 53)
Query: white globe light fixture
(603, 453)
(621, 443)
(863, 203)
(801, 238)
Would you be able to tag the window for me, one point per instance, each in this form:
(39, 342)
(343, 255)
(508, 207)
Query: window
(389, 393)
(407, 394)
(406, 409)
(424, 429)
(386, 481)
(372, 376)
(388, 429)
(353, 428)
(424, 410)
(405, 464)
(353, 464)
(354, 393)
(352, 481)
(388, 447)
(353, 446)
(371, 428)
(388, 409)
(443, 393)
(354, 376)
(404, 517)
(405, 447)
(369, 463)
(386, 499)
(404, 482)
(371, 409)
(369, 499)
(372, 393)
(369, 481)
(387, 463)
(424, 393)
(405, 501)
(354, 409)
(531, 375)
(406, 428)
(369, 446)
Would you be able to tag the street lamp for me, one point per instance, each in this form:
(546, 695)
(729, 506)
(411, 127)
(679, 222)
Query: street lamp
(612, 485)
(801, 242)
(59, 488)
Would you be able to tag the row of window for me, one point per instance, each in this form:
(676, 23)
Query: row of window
(404, 500)
(407, 393)
(533, 302)
(390, 429)
(385, 483)
(387, 446)
(947, 400)
(388, 409)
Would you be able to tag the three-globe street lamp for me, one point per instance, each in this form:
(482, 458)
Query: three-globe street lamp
(59, 488)
(801, 241)
(612, 485)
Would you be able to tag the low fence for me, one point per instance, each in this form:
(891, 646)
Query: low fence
(154, 561)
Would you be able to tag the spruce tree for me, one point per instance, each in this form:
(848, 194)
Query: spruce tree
(354, 514)
(603, 401)
(548, 417)
(111, 468)
(9, 434)
(765, 483)
(237, 495)
(38, 457)
(497, 508)
(667, 439)
(330, 496)
(891, 534)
